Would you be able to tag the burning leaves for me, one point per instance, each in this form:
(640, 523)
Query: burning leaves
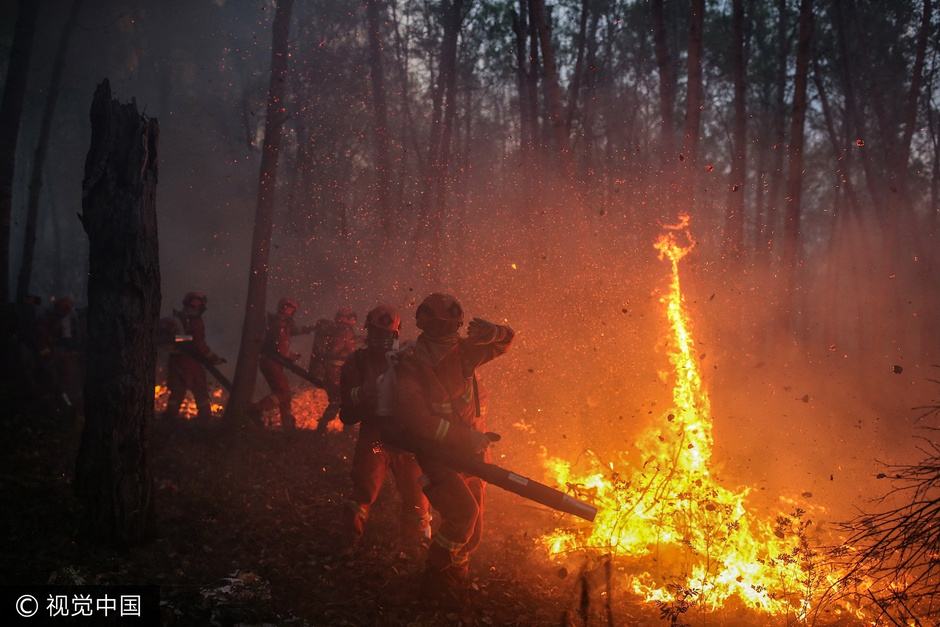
(707, 548)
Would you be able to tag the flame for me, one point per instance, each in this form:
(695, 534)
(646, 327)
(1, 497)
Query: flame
(709, 550)
(188, 410)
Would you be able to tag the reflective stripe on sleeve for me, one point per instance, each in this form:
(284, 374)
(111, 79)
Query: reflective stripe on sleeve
(442, 428)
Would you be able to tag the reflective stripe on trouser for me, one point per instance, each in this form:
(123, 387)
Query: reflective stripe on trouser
(459, 500)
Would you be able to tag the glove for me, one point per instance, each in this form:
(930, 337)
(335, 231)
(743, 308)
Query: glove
(482, 331)
(479, 442)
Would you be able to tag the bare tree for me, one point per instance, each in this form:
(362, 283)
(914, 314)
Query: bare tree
(667, 80)
(553, 88)
(374, 16)
(791, 243)
(767, 229)
(694, 99)
(734, 215)
(42, 146)
(11, 110)
(913, 98)
(519, 28)
(246, 369)
(119, 214)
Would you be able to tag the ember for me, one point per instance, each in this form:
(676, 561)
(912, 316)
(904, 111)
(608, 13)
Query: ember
(709, 548)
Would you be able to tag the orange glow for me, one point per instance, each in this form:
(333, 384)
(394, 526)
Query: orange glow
(694, 540)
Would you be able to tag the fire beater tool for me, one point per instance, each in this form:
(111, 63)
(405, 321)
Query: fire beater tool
(183, 343)
(300, 372)
(491, 473)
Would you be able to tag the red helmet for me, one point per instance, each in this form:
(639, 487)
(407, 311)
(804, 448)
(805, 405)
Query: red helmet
(439, 314)
(383, 317)
(286, 302)
(191, 296)
(345, 315)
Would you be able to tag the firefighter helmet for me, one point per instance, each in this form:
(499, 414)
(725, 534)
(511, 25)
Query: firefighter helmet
(286, 302)
(383, 317)
(191, 296)
(439, 314)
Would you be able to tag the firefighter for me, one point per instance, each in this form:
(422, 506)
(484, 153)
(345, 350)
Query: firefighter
(185, 370)
(333, 342)
(281, 328)
(436, 399)
(373, 459)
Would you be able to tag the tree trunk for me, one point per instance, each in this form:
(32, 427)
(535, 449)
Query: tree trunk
(519, 29)
(694, 101)
(39, 158)
(533, 83)
(11, 109)
(119, 214)
(590, 89)
(553, 89)
(791, 243)
(734, 216)
(838, 153)
(447, 78)
(667, 82)
(574, 90)
(913, 98)
(769, 231)
(388, 217)
(856, 121)
(246, 369)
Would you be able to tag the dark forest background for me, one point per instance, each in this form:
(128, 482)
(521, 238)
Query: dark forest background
(524, 155)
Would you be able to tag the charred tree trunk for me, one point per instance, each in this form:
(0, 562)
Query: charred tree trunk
(374, 15)
(791, 243)
(734, 216)
(246, 369)
(768, 232)
(694, 100)
(667, 81)
(112, 476)
(39, 158)
(11, 109)
(553, 88)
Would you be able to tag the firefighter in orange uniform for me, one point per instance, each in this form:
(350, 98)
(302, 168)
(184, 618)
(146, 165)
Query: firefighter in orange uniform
(373, 458)
(436, 399)
(281, 328)
(185, 371)
(333, 342)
